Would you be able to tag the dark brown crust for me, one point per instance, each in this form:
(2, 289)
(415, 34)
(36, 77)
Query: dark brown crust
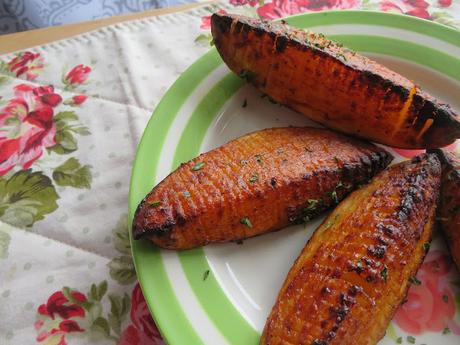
(449, 210)
(368, 98)
(274, 177)
(353, 273)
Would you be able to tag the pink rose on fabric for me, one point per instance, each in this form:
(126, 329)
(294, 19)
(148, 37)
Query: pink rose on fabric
(251, 3)
(143, 330)
(28, 63)
(77, 75)
(27, 126)
(430, 305)
(416, 8)
(206, 20)
(283, 8)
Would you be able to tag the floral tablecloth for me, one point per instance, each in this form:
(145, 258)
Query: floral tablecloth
(71, 115)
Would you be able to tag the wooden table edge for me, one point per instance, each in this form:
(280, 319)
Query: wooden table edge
(22, 40)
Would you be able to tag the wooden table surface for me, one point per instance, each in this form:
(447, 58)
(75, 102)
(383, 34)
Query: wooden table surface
(25, 39)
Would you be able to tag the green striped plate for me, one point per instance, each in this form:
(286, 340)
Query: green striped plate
(222, 294)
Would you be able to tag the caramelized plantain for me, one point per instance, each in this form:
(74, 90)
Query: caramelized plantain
(449, 211)
(258, 183)
(355, 270)
(333, 85)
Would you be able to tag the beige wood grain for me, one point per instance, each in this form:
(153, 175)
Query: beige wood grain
(22, 40)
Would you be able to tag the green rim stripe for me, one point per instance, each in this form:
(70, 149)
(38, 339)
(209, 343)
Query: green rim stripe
(374, 18)
(194, 263)
(158, 291)
(160, 295)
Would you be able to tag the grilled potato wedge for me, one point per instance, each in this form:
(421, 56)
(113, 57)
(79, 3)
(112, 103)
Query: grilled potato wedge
(258, 183)
(449, 211)
(354, 272)
(332, 85)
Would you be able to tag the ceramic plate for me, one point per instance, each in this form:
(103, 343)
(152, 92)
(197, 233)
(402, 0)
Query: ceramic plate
(222, 294)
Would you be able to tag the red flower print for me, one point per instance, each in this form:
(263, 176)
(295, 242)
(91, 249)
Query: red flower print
(27, 126)
(445, 3)
(143, 330)
(283, 8)
(206, 20)
(79, 99)
(430, 305)
(28, 63)
(55, 318)
(59, 304)
(244, 2)
(416, 8)
(412, 153)
(77, 76)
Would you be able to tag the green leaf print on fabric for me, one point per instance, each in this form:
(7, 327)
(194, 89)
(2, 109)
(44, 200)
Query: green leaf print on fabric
(121, 268)
(5, 239)
(71, 173)
(26, 197)
(119, 307)
(66, 127)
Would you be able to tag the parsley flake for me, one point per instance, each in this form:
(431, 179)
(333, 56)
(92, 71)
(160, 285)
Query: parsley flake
(414, 280)
(254, 178)
(446, 330)
(426, 246)
(205, 275)
(445, 298)
(312, 203)
(334, 196)
(198, 166)
(399, 340)
(154, 203)
(384, 273)
(410, 339)
(246, 221)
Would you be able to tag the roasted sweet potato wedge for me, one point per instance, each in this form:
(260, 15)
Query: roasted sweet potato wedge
(333, 85)
(355, 270)
(449, 210)
(258, 183)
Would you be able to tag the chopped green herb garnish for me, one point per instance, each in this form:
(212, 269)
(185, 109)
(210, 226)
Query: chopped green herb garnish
(186, 194)
(342, 56)
(414, 280)
(410, 339)
(259, 159)
(330, 222)
(246, 74)
(198, 166)
(445, 298)
(243, 162)
(334, 196)
(426, 246)
(205, 275)
(384, 273)
(308, 150)
(154, 203)
(399, 340)
(339, 185)
(312, 203)
(446, 330)
(254, 178)
(246, 221)
(336, 159)
(245, 103)
(359, 265)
